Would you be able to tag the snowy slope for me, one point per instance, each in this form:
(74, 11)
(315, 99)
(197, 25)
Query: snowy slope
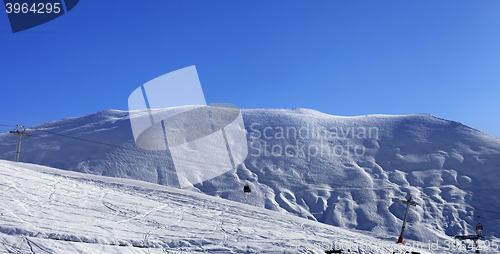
(352, 175)
(46, 210)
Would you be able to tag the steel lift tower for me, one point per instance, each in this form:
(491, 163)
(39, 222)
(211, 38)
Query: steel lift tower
(407, 203)
(20, 131)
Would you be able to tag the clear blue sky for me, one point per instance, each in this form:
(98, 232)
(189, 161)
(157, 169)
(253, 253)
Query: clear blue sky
(337, 56)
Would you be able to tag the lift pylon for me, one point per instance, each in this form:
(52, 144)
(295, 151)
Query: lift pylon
(20, 131)
(408, 203)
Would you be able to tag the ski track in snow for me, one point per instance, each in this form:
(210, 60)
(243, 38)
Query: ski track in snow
(450, 169)
(48, 210)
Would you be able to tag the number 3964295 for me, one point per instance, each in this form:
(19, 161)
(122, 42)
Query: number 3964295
(34, 8)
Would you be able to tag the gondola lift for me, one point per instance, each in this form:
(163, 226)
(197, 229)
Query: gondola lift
(474, 238)
(246, 188)
(479, 227)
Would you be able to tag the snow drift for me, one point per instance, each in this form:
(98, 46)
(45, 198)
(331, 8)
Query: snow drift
(349, 172)
(47, 210)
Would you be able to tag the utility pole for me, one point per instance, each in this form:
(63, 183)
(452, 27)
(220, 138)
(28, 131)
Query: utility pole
(407, 203)
(20, 131)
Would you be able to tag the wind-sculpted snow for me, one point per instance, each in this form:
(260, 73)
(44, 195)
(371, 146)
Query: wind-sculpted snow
(350, 172)
(46, 210)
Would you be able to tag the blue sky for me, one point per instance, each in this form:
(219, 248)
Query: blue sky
(339, 57)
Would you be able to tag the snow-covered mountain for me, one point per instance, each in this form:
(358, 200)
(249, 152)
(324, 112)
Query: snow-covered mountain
(349, 172)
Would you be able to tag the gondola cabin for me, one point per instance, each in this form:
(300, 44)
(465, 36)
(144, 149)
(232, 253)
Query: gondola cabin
(246, 188)
(479, 228)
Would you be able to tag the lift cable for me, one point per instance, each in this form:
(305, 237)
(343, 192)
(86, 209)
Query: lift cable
(337, 187)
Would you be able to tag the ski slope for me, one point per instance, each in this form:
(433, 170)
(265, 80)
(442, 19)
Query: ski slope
(452, 170)
(47, 210)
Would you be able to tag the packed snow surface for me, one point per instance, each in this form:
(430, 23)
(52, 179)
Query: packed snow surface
(47, 210)
(349, 172)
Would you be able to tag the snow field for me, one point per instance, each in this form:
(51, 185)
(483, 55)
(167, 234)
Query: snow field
(50, 210)
(451, 170)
